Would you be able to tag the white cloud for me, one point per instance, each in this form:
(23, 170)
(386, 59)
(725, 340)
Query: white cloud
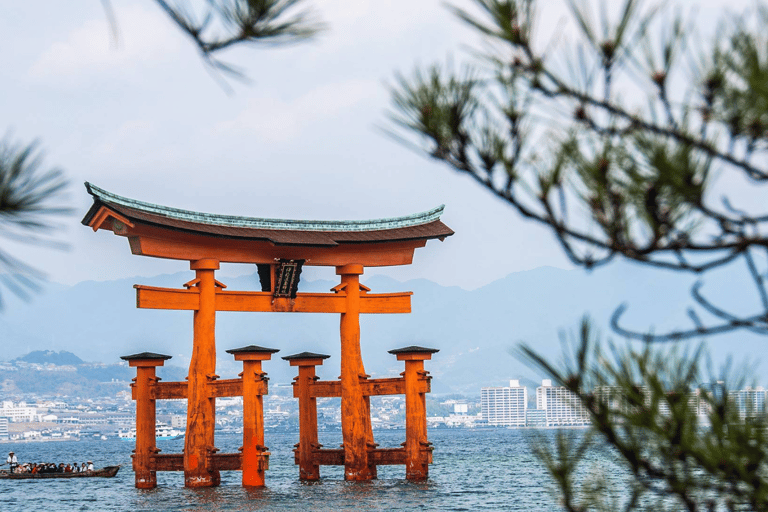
(275, 120)
(145, 37)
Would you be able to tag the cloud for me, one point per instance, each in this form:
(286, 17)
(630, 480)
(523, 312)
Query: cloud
(275, 120)
(145, 38)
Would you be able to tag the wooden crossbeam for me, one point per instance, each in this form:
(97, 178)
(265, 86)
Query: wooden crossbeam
(226, 461)
(216, 388)
(167, 462)
(151, 297)
(371, 387)
(379, 456)
(217, 461)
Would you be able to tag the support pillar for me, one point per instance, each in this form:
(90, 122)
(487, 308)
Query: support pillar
(355, 408)
(309, 469)
(418, 449)
(255, 457)
(145, 364)
(201, 409)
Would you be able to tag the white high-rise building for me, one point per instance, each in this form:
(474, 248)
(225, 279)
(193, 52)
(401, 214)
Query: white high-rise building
(750, 402)
(504, 406)
(563, 407)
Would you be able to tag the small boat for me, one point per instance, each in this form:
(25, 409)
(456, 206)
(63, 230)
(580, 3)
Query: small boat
(105, 472)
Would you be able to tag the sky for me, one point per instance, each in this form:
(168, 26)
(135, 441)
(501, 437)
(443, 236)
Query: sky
(144, 118)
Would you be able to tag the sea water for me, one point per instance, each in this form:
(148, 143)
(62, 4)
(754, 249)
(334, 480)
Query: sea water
(483, 469)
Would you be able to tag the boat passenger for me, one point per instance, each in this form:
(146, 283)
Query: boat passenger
(13, 461)
(84, 467)
(90, 466)
(75, 468)
(60, 468)
(67, 468)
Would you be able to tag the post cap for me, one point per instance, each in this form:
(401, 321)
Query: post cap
(253, 349)
(150, 358)
(413, 349)
(252, 353)
(306, 359)
(413, 352)
(305, 355)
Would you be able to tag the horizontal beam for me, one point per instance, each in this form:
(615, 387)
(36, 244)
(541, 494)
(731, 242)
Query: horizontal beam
(226, 461)
(216, 461)
(151, 297)
(370, 387)
(378, 456)
(166, 462)
(216, 389)
(264, 302)
(146, 240)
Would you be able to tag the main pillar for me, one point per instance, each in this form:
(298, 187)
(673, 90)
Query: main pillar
(145, 364)
(255, 458)
(309, 469)
(201, 408)
(355, 408)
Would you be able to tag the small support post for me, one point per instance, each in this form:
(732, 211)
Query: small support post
(418, 449)
(355, 407)
(309, 469)
(255, 458)
(145, 363)
(201, 408)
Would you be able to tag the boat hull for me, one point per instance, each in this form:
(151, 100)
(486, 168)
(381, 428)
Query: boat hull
(106, 472)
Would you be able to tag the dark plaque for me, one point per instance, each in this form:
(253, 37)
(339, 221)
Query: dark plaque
(288, 273)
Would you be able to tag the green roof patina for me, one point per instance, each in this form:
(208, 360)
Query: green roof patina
(235, 221)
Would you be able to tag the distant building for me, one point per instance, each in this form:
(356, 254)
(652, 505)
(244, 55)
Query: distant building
(536, 418)
(504, 406)
(749, 402)
(3, 429)
(563, 408)
(16, 413)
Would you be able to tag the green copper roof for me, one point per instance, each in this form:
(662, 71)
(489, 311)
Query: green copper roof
(259, 223)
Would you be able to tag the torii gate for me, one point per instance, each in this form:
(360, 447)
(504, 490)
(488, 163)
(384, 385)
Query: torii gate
(279, 248)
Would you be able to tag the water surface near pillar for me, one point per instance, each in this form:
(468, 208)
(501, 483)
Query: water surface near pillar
(483, 469)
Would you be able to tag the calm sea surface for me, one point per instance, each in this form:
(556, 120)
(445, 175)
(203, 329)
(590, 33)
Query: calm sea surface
(491, 469)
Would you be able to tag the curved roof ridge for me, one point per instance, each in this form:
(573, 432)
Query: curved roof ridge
(415, 219)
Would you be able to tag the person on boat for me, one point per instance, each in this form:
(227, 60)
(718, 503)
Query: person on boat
(75, 467)
(90, 466)
(12, 461)
(84, 467)
(67, 468)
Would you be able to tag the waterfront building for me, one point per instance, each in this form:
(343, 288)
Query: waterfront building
(3, 429)
(17, 413)
(536, 418)
(562, 407)
(505, 406)
(749, 402)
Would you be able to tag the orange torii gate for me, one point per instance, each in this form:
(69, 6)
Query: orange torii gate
(279, 248)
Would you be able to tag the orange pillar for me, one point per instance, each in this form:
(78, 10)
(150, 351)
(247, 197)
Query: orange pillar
(145, 364)
(309, 469)
(255, 458)
(355, 408)
(418, 449)
(201, 409)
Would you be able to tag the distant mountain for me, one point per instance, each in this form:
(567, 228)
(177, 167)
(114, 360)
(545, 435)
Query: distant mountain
(476, 331)
(61, 358)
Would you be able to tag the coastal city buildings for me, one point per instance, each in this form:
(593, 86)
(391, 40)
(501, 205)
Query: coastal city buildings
(562, 407)
(53, 416)
(505, 406)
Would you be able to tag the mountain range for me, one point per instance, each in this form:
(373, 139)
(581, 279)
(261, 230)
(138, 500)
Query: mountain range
(476, 330)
